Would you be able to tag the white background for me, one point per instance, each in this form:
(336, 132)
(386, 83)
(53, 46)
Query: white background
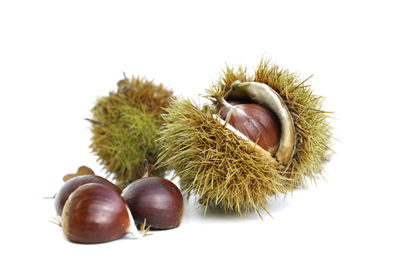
(57, 57)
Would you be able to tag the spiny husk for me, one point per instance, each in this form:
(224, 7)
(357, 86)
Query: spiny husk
(313, 131)
(213, 162)
(222, 169)
(125, 125)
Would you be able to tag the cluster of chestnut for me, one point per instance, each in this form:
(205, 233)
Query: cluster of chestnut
(94, 210)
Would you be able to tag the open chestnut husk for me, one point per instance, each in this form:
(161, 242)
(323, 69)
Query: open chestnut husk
(221, 164)
(155, 200)
(72, 184)
(94, 213)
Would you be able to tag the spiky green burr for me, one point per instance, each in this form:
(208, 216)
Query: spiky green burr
(125, 125)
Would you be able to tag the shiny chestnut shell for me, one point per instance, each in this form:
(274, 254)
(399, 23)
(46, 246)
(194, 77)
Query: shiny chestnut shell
(73, 183)
(256, 122)
(94, 213)
(155, 199)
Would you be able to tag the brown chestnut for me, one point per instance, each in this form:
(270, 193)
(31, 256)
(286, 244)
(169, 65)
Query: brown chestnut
(73, 183)
(94, 213)
(255, 121)
(155, 199)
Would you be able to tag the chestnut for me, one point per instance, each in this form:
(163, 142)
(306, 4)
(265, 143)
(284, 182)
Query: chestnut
(94, 213)
(255, 121)
(73, 183)
(156, 200)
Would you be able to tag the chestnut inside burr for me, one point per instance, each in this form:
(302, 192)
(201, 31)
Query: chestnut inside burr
(255, 121)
